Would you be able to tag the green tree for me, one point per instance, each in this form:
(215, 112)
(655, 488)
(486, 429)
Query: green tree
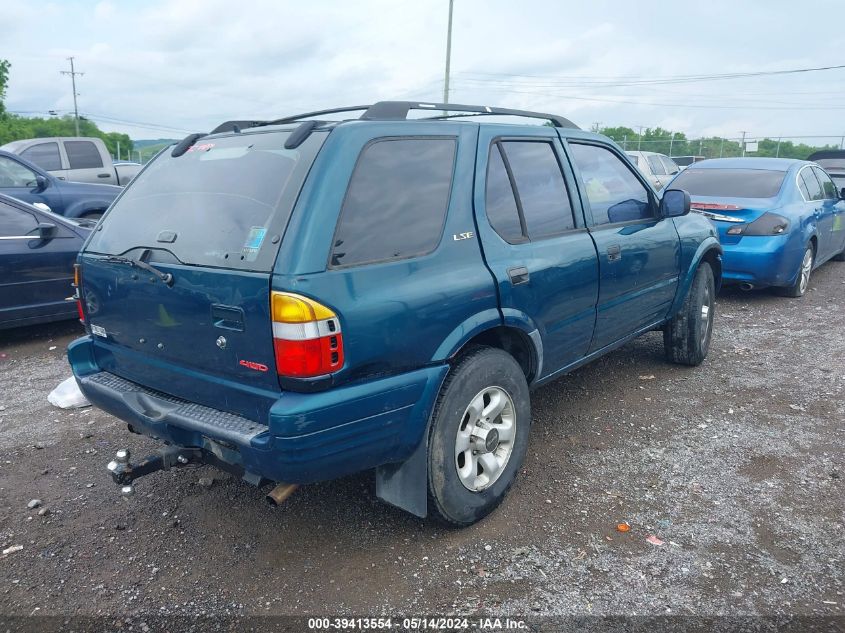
(4, 79)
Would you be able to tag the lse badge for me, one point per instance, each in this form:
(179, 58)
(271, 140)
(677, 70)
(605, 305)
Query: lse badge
(463, 236)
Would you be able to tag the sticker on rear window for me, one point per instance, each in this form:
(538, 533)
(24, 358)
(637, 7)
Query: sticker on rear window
(98, 330)
(253, 242)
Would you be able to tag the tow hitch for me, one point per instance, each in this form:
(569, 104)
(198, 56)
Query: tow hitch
(124, 473)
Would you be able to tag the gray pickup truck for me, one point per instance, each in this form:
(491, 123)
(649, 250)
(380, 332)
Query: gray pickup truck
(77, 159)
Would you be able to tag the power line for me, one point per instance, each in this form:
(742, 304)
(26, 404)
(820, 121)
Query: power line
(607, 81)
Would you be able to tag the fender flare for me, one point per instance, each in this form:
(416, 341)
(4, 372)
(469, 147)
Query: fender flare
(81, 207)
(710, 244)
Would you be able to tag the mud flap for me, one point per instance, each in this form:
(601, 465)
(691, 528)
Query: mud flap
(405, 485)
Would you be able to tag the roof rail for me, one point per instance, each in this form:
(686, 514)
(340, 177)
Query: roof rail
(392, 110)
(398, 111)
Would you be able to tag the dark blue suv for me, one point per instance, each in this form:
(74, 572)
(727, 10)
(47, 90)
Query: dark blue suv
(297, 300)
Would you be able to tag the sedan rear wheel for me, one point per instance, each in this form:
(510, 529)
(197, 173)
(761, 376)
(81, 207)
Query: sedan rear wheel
(802, 279)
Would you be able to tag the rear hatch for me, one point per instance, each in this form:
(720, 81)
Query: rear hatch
(176, 279)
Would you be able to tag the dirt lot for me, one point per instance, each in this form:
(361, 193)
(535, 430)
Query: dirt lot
(736, 466)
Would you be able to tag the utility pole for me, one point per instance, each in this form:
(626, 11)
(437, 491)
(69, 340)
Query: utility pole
(73, 75)
(671, 143)
(721, 147)
(118, 150)
(448, 54)
(777, 151)
(596, 126)
(640, 138)
(743, 141)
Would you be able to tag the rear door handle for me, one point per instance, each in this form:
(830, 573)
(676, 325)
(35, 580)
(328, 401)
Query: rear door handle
(103, 175)
(227, 317)
(614, 253)
(518, 275)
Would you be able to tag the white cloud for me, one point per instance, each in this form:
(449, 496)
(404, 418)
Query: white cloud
(187, 65)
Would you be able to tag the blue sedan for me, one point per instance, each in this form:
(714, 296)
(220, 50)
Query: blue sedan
(25, 181)
(37, 252)
(778, 219)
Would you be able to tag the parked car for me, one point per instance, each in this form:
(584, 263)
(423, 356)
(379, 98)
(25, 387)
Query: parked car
(37, 254)
(75, 158)
(778, 218)
(307, 299)
(685, 161)
(658, 168)
(25, 181)
(833, 162)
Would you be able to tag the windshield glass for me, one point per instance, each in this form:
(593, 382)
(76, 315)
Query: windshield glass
(224, 203)
(730, 183)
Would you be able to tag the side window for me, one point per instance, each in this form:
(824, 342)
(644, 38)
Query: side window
(83, 155)
(812, 184)
(803, 187)
(670, 165)
(14, 222)
(614, 193)
(395, 206)
(828, 188)
(13, 174)
(656, 165)
(45, 155)
(541, 192)
(499, 200)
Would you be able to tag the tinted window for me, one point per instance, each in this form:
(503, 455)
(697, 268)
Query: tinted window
(683, 160)
(539, 187)
(223, 203)
(614, 193)
(656, 165)
(396, 202)
(83, 155)
(670, 165)
(501, 204)
(803, 187)
(13, 174)
(45, 155)
(828, 188)
(812, 184)
(732, 183)
(14, 221)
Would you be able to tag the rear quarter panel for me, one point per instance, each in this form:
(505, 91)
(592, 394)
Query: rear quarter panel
(395, 315)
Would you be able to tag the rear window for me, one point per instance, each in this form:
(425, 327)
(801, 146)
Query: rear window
(83, 155)
(224, 203)
(731, 183)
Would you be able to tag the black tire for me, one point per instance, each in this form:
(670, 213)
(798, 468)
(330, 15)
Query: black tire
(799, 288)
(686, 338)
(480, 369)
(840, 256)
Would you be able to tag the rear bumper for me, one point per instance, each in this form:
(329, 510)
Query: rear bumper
(762, 261)
(307, 437)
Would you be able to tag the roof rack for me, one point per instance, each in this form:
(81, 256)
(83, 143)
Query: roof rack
(398, 111)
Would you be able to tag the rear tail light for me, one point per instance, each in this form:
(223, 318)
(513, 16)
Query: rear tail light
(77, 285)
(306, 336)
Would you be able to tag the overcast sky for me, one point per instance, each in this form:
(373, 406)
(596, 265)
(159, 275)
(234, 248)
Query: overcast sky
(172, 67)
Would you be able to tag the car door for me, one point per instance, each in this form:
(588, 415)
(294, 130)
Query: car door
(22, 182)
(658, 170)
(814, 202)
(638, 251)
(35, 274)
(535, 240)
(85, 163)
(831, 221)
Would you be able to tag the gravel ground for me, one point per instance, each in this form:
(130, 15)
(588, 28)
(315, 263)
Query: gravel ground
(734, 468)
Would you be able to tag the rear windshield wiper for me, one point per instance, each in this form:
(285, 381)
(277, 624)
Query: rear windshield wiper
(166, 278)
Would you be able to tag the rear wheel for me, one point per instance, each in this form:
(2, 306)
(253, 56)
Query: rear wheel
(802, 280)
(840, 257)
(478, 437)
(686, 338)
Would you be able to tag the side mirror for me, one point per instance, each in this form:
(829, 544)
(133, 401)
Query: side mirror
(40, 182)
(675, 203)
(46, 230)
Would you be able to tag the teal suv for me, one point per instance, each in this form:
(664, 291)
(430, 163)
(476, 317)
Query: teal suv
(300, 299)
